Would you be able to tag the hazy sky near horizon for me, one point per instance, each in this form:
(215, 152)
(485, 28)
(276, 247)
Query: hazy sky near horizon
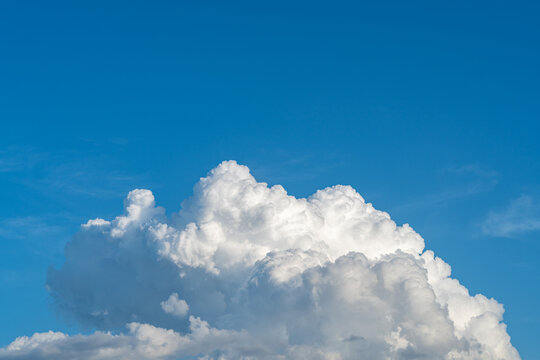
(430, 110)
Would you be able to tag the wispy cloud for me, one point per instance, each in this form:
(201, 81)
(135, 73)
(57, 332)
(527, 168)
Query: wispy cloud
(86, 178)
(522, 215)
(473, 169)
(460, 182)
(42, 236)
(75, 173)
(27, 226)
(18, 158)
(313, 165)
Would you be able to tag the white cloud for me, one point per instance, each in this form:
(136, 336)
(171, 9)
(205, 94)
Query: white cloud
(174, 305)
(142, 341)
(96, 222)
(266, 276)
(522, 215)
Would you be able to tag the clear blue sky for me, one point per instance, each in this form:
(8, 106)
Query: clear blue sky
(431, 110)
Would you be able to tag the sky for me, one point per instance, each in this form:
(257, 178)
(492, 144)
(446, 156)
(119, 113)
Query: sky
(430, 110)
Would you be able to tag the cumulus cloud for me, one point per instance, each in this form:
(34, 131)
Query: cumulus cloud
(142, 341)
(522, 215)
(266, 276)
(175, 306)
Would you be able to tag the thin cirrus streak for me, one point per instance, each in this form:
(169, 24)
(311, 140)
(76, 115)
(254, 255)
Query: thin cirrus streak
(521, 216)
(246, 271)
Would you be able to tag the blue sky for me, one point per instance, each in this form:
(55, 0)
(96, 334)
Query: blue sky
(430, 110)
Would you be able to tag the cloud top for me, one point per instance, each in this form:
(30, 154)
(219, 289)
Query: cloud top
(262, 275)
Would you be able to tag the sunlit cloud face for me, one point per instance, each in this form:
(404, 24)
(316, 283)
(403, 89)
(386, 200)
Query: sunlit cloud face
(246, 271)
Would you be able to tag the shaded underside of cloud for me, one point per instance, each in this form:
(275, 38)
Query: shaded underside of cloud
(246, 271)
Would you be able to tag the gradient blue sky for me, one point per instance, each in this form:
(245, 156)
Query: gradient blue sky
(430, 110)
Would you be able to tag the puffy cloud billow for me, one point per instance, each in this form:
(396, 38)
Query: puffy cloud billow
(246, 271)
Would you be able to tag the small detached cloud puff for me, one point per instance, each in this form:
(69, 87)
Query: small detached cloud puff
(175, 306)
(262, 275)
